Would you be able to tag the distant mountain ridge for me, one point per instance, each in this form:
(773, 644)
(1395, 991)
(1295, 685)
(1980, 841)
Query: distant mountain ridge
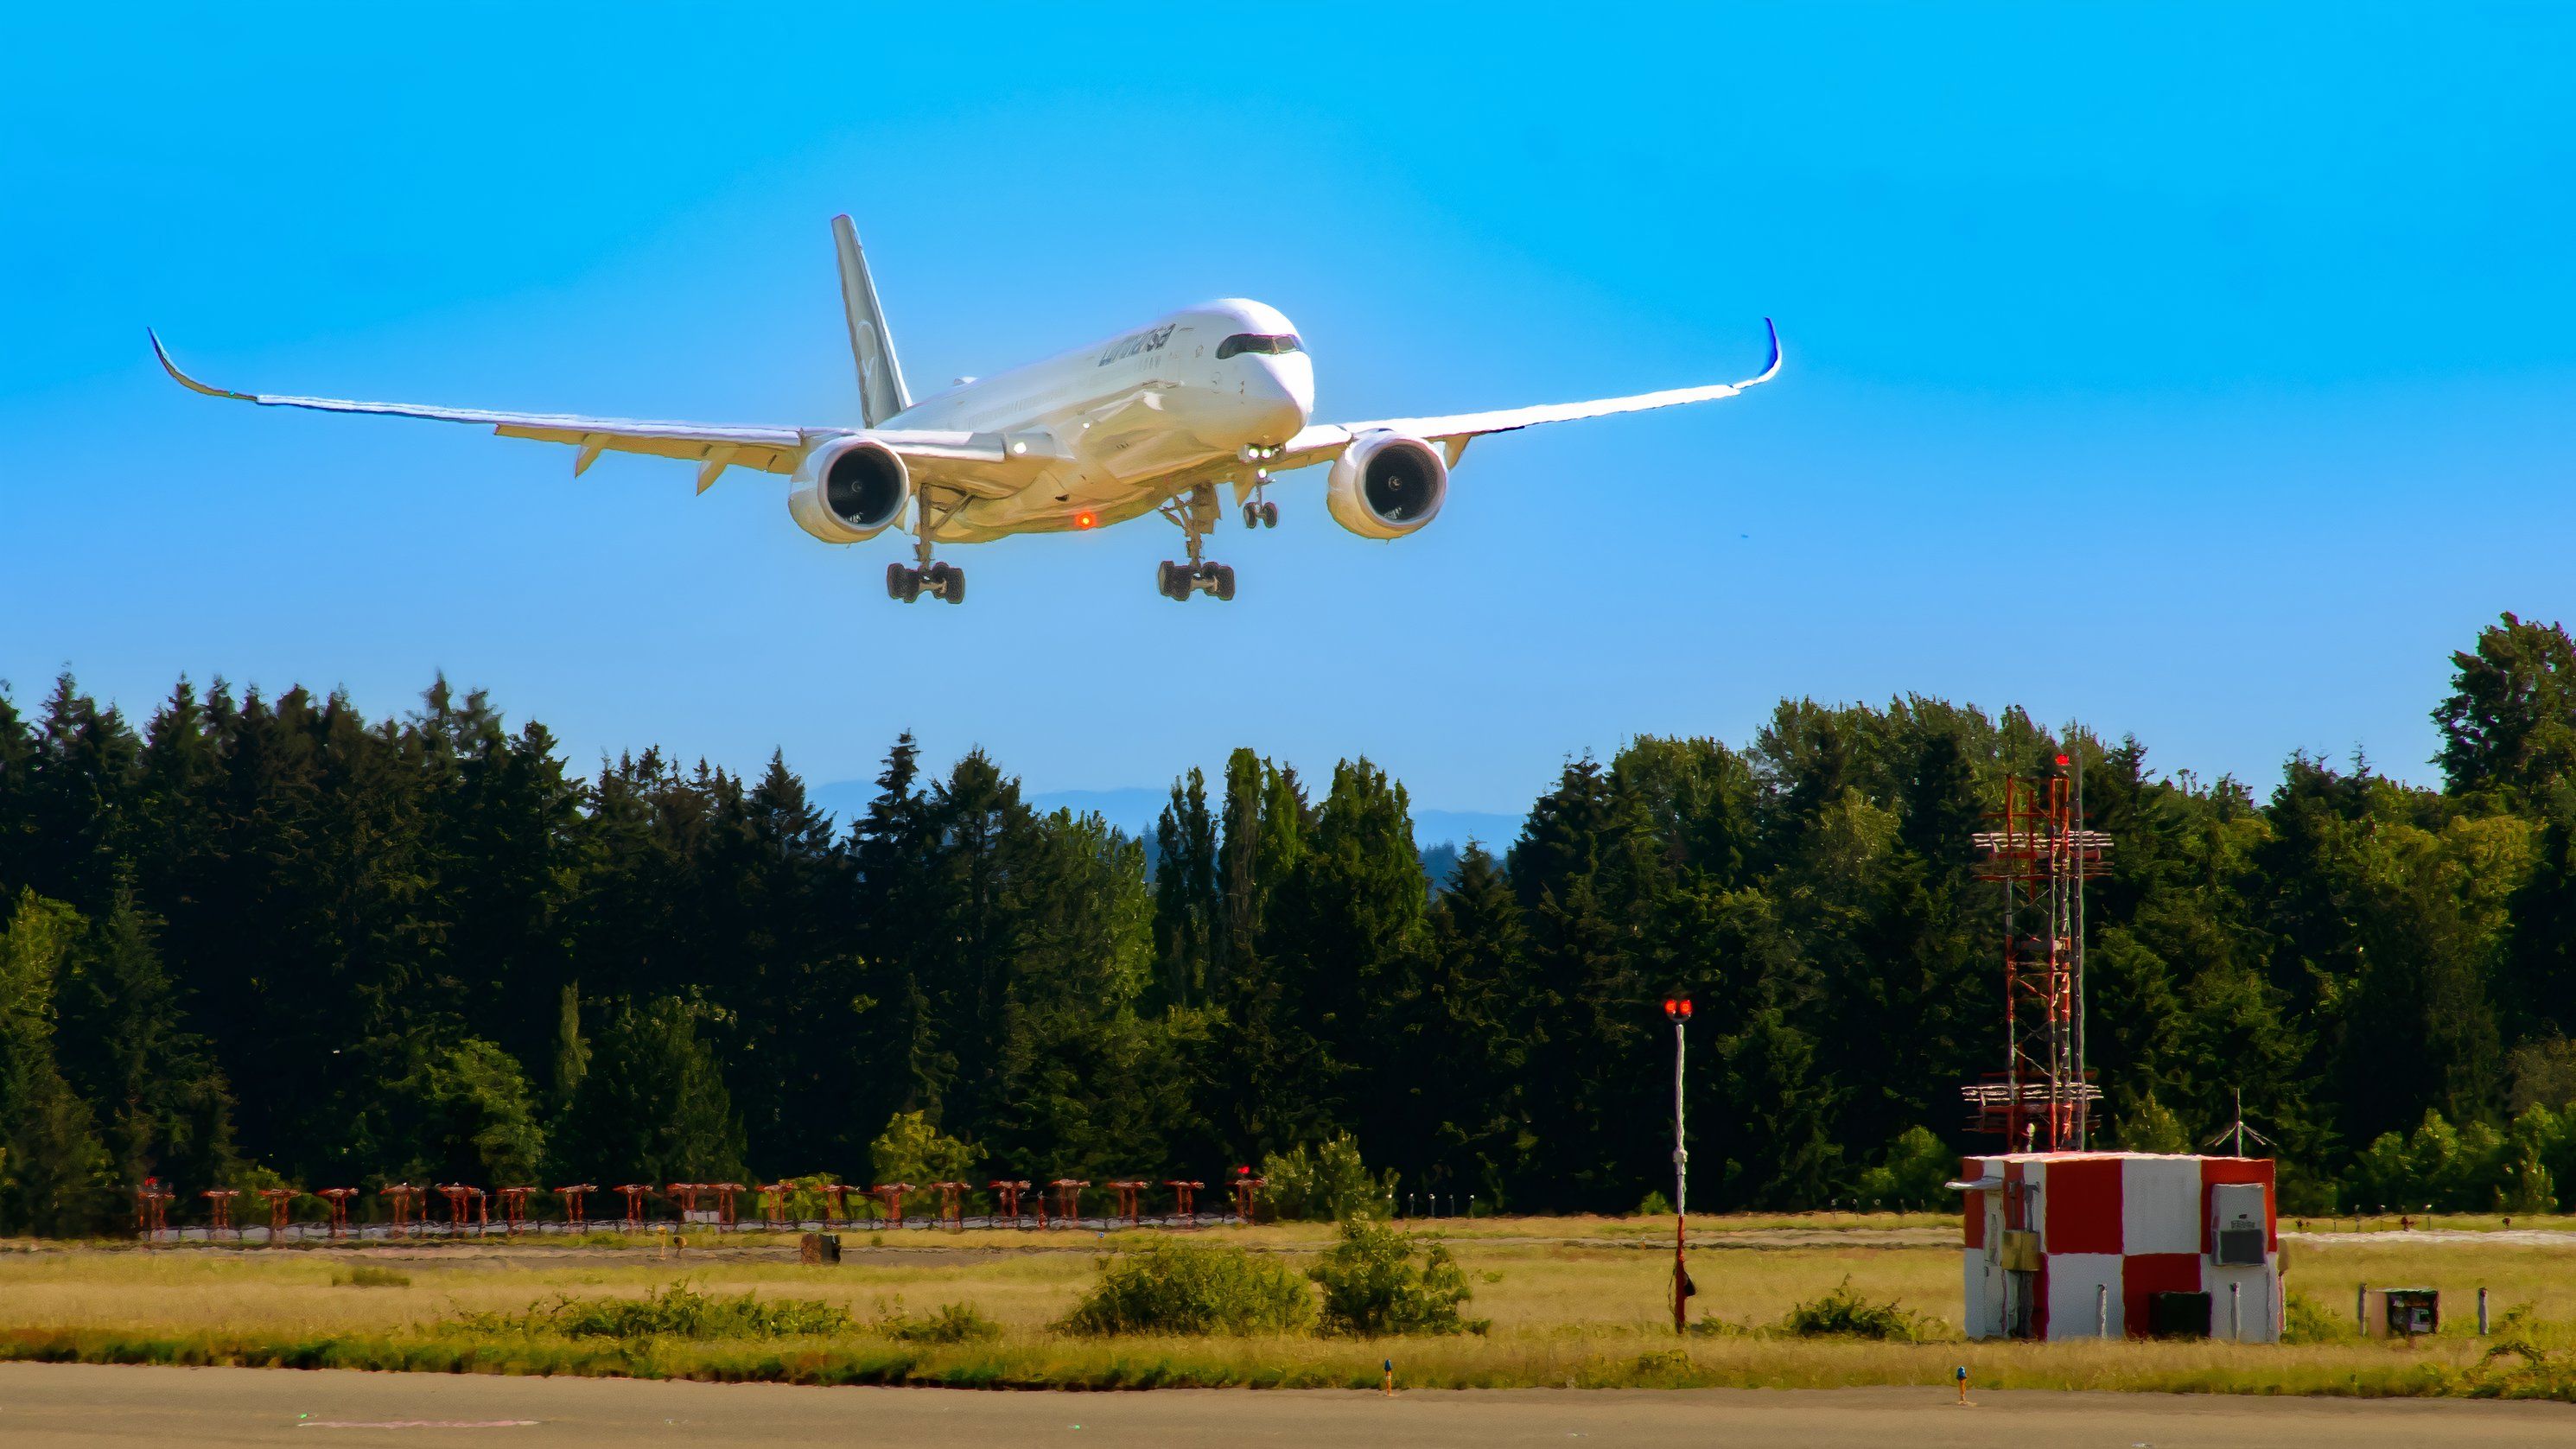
(1135, 808)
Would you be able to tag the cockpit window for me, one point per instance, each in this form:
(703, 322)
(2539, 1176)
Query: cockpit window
(1258, 342)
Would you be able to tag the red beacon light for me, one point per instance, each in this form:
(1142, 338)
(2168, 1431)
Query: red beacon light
(1086, 519)
(1678, 1008)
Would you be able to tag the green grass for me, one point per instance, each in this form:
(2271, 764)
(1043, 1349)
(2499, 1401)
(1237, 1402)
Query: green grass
(1572, 1302)
(1021, 1361)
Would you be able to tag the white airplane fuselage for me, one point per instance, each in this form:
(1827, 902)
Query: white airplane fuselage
(1127, 416)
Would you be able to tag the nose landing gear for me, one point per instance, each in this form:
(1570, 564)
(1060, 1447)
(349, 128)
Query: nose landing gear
(1260, 513)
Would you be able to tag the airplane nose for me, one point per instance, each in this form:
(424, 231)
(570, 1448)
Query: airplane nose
(1283, 398)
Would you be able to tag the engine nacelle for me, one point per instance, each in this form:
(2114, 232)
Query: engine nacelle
(1386, 485)
(850, 490)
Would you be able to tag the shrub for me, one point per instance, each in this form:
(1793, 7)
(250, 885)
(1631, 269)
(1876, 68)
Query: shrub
(1843, 1313)
(1655, 1205)
(2307, 1321)
(2472, 1168)
(2152, 1127)
(806, 1199)
(1372, 1286)
(678, 1311)
(1326, 1182)
(949, 1323)
(911, 1150)
(367, 1275)
(1193, 1288)
(2528, 1359)
(1911, 1175)
(465, 1109)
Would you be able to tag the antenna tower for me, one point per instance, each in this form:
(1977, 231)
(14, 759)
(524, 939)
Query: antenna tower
(2043, 1098)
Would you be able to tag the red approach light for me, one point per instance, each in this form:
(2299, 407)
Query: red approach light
(2064, 761)
(1088, 519)
(1677, 1007)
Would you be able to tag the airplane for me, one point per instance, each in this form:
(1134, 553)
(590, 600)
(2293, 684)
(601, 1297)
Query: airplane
(1153, 420)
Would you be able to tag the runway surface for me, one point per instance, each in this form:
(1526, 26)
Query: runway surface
(79, 1406)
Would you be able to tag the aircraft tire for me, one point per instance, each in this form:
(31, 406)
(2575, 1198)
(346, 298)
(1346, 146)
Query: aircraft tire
(1269, 514)
(953, 584)
(1224, 576)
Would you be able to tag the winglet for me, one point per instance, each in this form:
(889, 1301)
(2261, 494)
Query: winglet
(184, 380)
(1773, 369)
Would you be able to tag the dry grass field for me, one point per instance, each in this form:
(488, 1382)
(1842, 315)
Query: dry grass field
(1571, 1302)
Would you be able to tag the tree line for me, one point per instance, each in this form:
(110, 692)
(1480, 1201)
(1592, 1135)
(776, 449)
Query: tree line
(269, 941)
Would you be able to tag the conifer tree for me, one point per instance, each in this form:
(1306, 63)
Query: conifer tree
(1186, 896)
(653, 1103)
(54, 1174)
(897, 1038)
(1238, 879)
(1465, 1052)
(164, 1109)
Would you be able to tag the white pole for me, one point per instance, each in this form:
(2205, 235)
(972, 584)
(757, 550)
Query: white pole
(2101, 1310)
(1681, 1155)
(1681, 1173)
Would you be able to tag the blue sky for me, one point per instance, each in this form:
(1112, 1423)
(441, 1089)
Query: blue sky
(2199, 372)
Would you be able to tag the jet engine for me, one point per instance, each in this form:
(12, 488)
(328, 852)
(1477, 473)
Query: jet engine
(849, 490)
(1386, 485)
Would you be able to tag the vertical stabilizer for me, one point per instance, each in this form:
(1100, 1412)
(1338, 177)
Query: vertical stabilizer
(881, 390)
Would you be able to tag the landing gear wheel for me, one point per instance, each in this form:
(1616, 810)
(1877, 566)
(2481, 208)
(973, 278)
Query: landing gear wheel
(1252, 515)
(1269, 514)
(1171, 581)
(903, 584)
(949, 582)
(1223, 575)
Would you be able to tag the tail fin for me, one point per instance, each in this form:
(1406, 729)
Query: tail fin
(881, 390)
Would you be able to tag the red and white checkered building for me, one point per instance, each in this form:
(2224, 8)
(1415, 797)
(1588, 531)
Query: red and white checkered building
(2074, 1244)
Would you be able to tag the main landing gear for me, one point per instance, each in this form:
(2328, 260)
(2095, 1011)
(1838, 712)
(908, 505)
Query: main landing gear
(907, 582)
(1195, 513)
(1179, 581)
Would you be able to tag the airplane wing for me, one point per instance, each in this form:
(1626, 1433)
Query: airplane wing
(1322, 442)
(714, 447)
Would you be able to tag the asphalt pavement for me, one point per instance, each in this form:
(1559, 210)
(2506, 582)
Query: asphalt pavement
(80, 1406)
